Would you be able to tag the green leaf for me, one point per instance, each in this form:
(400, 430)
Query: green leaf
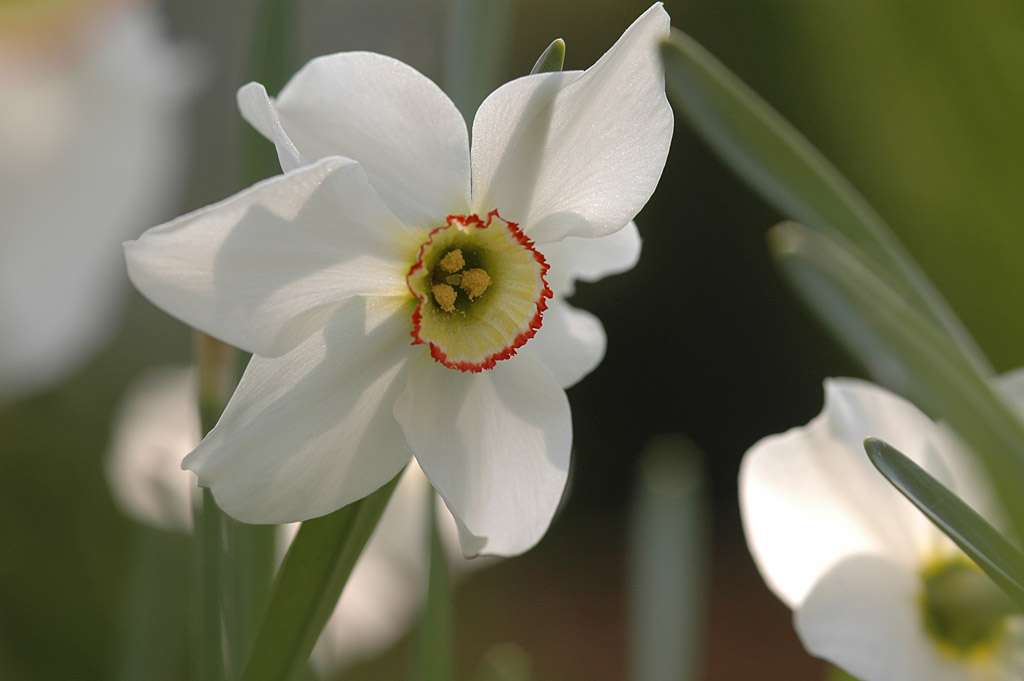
(999, 559)
(778, 162)
(552, 58)
(308, 586)
(904, 351)
(435, 648)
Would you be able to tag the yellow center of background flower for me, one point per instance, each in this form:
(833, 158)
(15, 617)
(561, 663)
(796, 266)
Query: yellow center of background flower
(964, 611)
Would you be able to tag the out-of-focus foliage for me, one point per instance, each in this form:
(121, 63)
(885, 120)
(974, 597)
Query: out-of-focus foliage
(919, 104)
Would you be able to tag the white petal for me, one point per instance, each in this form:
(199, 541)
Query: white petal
(495, 445)
(311, 431)
(581, 259)
(810, 497)
(570, 343)
(395, 121)
(157, 424)
(577, 154)
(267, 267)
(258, 109)
(864, 615)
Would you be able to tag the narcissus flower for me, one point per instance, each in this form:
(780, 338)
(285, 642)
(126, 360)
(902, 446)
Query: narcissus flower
(874, 586)
(402, 292)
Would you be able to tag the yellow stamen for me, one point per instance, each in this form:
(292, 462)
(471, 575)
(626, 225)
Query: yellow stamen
(475, 282)
(445, 296)
(452, 261)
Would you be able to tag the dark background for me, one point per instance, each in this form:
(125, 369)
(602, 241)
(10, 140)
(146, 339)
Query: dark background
(919, 103)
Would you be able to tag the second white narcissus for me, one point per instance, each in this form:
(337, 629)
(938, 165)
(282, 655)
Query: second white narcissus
(863, 570)
(402, 291)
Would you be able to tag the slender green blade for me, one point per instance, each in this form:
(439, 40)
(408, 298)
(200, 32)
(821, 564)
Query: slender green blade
(216, 366)
(270, 63)
(973, 534)
(208, 567)
(904, 351)
(308, 586)
(667, 561)
(249, 572)
(479, 44)
(436, 645)
(552, 58)
(782, 165)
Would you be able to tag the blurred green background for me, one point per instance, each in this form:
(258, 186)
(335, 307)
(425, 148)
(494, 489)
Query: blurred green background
(918, 102)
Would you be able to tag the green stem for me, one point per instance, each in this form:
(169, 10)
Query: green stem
(435, 650)
(477, 48)
(308, 586)
(235, 561)
(269, 63)
(216, 365)
(208, 541)
(667, 562)
(249, 572)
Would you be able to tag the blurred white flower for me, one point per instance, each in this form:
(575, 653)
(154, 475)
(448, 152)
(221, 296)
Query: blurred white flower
(402, 290)
(852, 557)
(92, 135)
(158, 424)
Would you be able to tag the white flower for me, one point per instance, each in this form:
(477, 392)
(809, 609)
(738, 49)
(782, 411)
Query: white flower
(92, 130)
(842, 548)
(391, 283)
(158, 424)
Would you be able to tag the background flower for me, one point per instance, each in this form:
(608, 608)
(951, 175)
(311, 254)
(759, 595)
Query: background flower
(92, 139)
(842, 548)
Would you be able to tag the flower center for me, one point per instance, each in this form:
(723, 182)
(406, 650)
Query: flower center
(481, 291)
(964, 611)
